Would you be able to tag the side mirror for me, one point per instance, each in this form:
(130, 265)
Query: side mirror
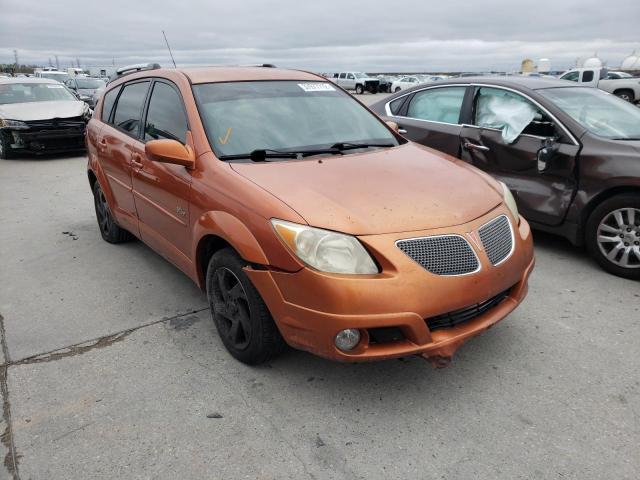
(170, 151)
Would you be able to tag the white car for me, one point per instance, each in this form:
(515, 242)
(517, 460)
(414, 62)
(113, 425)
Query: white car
(39, 115)
(53, 75)
(404, 83)
(358, 81)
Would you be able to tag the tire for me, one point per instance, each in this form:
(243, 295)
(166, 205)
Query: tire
(109, 229)
(397, 90)
(359, 89)
(609, 220)
(625, 94)
(5, 147)
(241, 317)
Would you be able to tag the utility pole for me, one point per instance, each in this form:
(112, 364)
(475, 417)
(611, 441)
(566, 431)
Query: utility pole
(78, 62)
(50, 63)
(57, 63)
(15, 56)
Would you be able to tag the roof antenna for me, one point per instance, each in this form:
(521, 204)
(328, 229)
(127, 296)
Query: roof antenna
(171, 54)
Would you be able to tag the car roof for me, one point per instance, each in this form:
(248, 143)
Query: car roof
(27, 80)
(239, 74)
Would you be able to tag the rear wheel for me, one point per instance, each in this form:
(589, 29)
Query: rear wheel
(625, 95)
(109, 230)
(397, 89)
(613, 235)
(359, 89)
(241, 317)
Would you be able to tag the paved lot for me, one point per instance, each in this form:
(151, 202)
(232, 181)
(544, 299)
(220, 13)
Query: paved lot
(112, 366)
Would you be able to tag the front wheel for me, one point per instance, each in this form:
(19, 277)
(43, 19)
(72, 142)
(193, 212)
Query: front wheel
(397, 89)
(241, 317)
(359, 89)
(613, 235)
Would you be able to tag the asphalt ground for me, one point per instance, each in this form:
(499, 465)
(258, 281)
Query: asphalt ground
(111, 368)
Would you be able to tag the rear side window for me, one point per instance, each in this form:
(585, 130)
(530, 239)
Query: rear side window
(587, 76)
(437, 104)
(107, 103)
(129, 107)
(165, 116)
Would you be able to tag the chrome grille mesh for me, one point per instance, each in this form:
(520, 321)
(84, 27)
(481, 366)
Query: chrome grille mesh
(497, 239)
(441, 255)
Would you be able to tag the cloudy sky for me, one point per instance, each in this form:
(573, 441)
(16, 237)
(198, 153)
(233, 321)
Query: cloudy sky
(321, 35)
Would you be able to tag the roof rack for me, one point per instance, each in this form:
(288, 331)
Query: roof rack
(128, 69)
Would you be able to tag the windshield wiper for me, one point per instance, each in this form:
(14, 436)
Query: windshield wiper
(353, 146)
(261, 155)
(626, 138)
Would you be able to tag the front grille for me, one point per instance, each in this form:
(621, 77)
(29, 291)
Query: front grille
(441, 255)
(497, 239)
(451, 319)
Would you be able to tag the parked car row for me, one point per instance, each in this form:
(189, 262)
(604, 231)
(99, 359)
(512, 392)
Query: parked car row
(310, 221)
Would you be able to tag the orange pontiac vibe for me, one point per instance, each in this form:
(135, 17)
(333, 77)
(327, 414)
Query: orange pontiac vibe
(306, 219)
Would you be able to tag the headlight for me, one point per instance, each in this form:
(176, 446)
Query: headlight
(510, 202)
(17, 124)
(87, 113)
(324, 250)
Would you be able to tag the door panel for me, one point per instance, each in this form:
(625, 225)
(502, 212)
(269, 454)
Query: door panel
(161, 190)
(440, 136)
(114, 149)
(161, 193)
(542, 197)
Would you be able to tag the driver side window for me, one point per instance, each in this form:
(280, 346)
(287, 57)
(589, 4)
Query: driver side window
(572, 76)
(511, 113)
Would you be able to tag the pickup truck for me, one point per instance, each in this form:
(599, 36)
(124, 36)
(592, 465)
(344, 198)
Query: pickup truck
(360, 82)
(626, 88)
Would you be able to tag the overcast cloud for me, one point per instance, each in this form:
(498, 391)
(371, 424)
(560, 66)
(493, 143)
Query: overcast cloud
(321, 35)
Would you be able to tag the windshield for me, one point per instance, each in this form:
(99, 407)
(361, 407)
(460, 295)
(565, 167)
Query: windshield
(599, 112)
(241, 117)
(33, 92)
(60, 77)
(89, 83)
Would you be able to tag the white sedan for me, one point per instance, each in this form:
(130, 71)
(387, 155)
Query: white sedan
(404, 82)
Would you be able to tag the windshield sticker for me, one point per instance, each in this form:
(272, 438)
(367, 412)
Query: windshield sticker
(224, 140)
(316, 87)
(55, 86)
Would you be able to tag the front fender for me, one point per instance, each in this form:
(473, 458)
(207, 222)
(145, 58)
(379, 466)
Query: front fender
(232, 231)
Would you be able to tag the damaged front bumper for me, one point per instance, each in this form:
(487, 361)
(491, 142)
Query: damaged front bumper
(45, 136)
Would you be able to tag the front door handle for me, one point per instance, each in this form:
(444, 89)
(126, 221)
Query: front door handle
(401, 130)
(136, 161)
(473, 146)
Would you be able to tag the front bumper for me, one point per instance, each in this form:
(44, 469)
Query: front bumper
(46, 137)
(311, 307)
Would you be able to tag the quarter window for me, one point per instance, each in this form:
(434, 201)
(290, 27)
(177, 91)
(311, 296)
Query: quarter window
(165, 117)
(587, 76)
(437, 104)
(129, 107)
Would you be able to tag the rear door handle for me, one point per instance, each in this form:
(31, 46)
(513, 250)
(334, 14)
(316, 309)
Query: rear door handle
(473, 146)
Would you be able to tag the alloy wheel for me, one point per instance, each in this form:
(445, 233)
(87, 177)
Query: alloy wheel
(102, 212)
(618, 237)
(231, 308)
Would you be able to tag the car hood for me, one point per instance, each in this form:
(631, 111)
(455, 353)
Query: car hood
(399, 189)
(42, 110)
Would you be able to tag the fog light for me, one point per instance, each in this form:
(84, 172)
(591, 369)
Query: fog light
(347, 339)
